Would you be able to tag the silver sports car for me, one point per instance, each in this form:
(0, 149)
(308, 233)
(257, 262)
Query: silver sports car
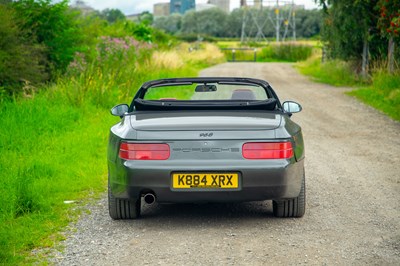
(206, 140)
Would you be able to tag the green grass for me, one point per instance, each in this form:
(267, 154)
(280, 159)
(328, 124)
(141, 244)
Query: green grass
(382, 91)
(335, 72)
(239, 55)
(285, 52)
(269, 52)
(53, 149)
(50, 152)
(383, 94)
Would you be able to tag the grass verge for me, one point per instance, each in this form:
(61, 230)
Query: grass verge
(383, 94)
(382, 91)
(335, 72)
(53, 146)
(51, 152)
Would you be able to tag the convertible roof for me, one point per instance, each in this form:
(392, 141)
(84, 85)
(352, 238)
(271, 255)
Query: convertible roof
(233, 80)
(140, 104)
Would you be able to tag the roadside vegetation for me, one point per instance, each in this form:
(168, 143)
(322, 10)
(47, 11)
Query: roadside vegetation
(55, 98)
(361, 50)
(267, 51)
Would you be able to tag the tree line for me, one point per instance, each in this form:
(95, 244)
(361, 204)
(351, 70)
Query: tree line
(217, 23)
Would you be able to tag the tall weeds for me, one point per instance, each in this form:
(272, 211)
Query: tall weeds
(110, 76)
(122, 65)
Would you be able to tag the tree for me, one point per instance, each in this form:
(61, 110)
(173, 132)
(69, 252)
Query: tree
(209, 22)
(112, 15)
(389, 25)
(347, 29)
(52, 25)
(234, 23)
(362, 27)
(170, 24)
(146, 18)
(308, 22)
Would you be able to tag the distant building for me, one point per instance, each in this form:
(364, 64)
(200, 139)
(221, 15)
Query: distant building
(201, 7)
(243, 3)
(161, 9)
(181, 6)
(133, 17)
(83, 7)
(222, 4)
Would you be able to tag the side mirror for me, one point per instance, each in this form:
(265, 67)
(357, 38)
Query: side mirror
(120, 110)
(291, 107)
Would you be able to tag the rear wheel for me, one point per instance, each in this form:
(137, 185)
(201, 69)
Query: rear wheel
(295, 207)
(122, 208)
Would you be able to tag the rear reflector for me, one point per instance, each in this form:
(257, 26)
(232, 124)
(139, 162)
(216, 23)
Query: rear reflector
(267, 150)
(144, 151)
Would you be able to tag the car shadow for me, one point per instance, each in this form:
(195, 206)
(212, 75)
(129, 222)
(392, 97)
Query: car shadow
(189, 213)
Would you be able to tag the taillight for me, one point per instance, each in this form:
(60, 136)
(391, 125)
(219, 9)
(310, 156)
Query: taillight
(144, 151)
(267, 150)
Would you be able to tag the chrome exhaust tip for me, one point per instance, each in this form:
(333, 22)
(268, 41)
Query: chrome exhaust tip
(149, 198)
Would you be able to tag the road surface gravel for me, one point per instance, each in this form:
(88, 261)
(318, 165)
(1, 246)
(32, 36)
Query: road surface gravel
(353, 198)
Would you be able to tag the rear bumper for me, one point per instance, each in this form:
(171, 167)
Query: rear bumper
(258, 179)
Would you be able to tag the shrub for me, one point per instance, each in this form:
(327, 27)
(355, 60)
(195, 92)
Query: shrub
(52, 25)
(21, 61)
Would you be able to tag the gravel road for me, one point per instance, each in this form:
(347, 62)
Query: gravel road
(353, 194)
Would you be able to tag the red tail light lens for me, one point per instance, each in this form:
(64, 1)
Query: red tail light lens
(267, 150)
(144, 151)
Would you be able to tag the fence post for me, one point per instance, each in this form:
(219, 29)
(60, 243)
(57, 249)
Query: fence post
(255, 54)
(323, 58)
(233, 55)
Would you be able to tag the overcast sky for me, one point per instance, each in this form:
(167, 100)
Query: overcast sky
(137, 6)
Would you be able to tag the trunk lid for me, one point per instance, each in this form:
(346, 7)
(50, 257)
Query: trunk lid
(205, 125)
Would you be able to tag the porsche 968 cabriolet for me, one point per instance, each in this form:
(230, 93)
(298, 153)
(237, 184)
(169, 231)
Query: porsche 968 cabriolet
(207, 139)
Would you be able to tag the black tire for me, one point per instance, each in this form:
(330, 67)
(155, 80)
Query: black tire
(295, 207)
(122, 208)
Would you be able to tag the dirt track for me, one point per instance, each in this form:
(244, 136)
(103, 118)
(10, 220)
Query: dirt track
(353, 198)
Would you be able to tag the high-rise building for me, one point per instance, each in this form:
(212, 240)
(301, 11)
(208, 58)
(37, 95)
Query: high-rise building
(161, 9)
(222, 4)
(181, 6)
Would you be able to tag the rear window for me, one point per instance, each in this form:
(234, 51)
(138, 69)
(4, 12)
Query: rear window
(206, 92)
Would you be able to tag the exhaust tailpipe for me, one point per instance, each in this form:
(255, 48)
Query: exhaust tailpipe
(149, 198)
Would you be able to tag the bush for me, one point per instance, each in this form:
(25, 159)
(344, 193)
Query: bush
(21, 61)
(52, 25)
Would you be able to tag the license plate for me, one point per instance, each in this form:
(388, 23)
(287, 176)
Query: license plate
(205, 180)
